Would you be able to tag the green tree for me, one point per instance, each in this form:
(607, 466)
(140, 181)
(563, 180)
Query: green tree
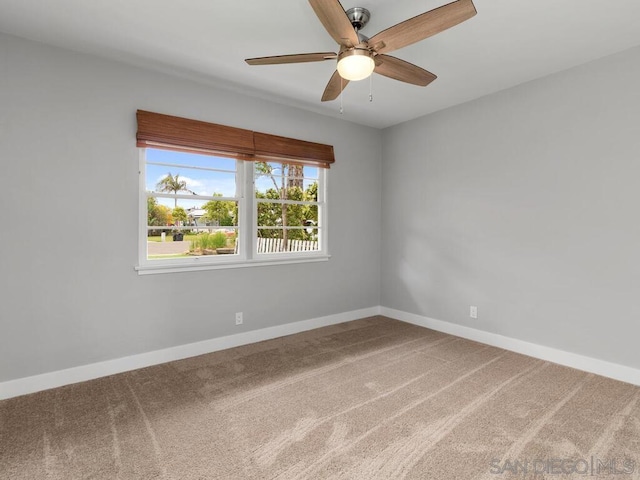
(311, 211)
(269, 214)
(179, 215)
(287, 185)
(311, 193)
(171, 184)
(224, 212)
(157, 215)
(265, 169)
(296, 213)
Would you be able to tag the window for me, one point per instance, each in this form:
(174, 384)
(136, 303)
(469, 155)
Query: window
(193, 202)
(214, 208)
(289, 203)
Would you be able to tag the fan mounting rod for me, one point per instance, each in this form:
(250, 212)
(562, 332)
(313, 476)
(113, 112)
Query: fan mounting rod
(358, 17)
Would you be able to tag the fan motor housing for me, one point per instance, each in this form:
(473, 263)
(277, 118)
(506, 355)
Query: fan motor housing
(359, 17)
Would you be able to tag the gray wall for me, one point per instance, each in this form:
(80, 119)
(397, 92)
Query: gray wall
(69, 294)
(525, 203)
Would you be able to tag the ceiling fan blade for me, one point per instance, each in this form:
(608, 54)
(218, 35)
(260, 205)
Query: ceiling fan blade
(296, 58)
(397, 69)
(334, 87)
(335, 21)
(423, 26)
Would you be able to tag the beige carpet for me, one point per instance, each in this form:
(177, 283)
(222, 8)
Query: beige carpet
(371, 399)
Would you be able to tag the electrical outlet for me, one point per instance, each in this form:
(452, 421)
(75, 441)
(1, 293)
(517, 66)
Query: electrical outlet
(238, 318)
(473, 311)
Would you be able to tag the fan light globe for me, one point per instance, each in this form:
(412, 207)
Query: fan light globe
(355, 65)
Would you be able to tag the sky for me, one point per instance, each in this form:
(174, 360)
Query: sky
(199, 180)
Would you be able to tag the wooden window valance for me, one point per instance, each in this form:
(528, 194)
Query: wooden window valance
(175, 133)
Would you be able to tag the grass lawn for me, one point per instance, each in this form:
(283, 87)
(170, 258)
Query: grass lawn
(187, 238)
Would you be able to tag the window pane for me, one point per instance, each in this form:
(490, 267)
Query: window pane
(188, 173)
(215, 213)
(285, 181)
(170, 211)
(287, 240)
(286, 227)
(183, 213)
(183, 224)
(216, 241)
(154, 155)
(188, 227)
(272, 215)
(166, 243)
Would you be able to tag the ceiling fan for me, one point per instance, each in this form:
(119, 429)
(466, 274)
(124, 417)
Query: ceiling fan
(360, 56)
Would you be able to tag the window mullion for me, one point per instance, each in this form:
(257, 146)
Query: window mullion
(249, 221)
(322, 211)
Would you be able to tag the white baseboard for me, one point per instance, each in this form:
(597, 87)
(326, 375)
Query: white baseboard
(36, 383)
(579, 362)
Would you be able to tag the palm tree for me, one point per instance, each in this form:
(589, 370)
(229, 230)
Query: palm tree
(172, 184)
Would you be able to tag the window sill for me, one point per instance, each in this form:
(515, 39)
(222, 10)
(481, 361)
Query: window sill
(196, 267)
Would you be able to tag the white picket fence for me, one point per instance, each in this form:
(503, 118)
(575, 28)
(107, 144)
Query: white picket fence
(273, 245)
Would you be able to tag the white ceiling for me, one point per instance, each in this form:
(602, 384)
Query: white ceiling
(509, 42)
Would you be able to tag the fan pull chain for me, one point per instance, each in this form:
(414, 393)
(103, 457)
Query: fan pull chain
(371, 88)
(341, 90)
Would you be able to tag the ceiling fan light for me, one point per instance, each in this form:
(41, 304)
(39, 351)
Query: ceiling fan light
(355, 64)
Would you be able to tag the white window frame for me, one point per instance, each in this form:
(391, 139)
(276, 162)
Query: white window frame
(247, 230)
(321, 227)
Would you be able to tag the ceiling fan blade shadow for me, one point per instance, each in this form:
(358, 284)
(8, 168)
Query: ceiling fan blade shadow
(397, 69)
(423, 26)
(334, 88)
(296, 58)
(335, 21)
